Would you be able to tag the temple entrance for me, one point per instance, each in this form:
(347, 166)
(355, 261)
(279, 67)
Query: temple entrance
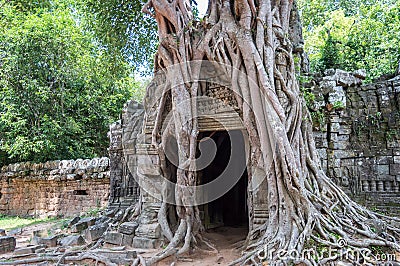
(231, 208)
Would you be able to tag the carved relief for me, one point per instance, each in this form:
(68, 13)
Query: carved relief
(123, 135)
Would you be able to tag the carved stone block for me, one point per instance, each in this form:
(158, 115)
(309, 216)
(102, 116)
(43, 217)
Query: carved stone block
(7, 244)
(113, 238)
(94, 232)
(149, 230)
(141, 242)
(149, 165)
(128, 228)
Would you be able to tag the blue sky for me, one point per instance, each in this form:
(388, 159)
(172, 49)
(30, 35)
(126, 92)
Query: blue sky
(202, 6)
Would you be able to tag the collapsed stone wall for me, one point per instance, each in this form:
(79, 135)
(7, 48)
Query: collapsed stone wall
(67, 187)
(357, 132)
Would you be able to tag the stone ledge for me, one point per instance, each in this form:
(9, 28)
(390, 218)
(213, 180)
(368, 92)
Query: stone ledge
(96, 168)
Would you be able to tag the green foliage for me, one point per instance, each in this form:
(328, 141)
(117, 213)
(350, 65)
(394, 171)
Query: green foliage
(330, 51)
(378, 127)
(59, 88)
(352, 35)
(26, 5)
(318, 115)
(93, 212)
(338, 105)
(309, 97)
(319, 119)
(123, 29)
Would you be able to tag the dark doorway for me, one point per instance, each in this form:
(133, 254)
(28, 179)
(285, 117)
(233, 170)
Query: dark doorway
(231, 208)
(80, 192)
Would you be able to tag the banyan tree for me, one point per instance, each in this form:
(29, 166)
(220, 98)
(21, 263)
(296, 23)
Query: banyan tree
(233, 75)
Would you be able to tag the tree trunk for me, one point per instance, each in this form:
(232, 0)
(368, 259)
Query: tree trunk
(249, 41)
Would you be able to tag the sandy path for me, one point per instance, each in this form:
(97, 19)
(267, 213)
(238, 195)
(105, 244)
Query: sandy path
(224, 240)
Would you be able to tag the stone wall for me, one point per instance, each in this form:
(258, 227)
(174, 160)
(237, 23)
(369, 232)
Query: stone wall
(123, 136)
(357, 132)
(66, 187)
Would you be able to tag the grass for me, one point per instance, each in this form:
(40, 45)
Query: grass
(12, 222)
(93, 212)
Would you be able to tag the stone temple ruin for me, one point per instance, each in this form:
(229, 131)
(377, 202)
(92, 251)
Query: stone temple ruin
(357, 133)
(135, 161)
(356, 129)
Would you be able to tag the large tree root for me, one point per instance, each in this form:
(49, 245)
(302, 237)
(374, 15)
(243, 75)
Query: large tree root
(84, 253)
(249, 42)
(77, 258)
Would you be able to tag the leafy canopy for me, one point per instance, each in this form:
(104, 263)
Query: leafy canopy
(352, 34)
(60, 89)
(123, 28)
(67, 65)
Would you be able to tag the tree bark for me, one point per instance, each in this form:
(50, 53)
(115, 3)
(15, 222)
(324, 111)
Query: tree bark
(249, 40)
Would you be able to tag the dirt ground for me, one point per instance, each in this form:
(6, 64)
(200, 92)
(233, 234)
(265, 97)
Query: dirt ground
(225, 240)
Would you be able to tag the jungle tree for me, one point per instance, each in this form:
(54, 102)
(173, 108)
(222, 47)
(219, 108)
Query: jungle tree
(59, 89)
(255, 38)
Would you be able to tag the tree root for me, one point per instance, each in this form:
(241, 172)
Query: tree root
(248, 41)
(139, 261)
(59, 259)
(69, 256)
